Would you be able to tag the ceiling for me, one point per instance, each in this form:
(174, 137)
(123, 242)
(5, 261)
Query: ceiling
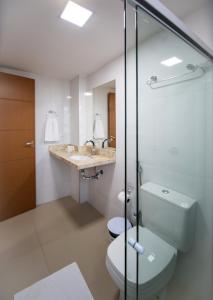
(181, 8)
(33, 38)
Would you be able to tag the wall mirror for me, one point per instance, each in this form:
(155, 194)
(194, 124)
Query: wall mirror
(104, 114)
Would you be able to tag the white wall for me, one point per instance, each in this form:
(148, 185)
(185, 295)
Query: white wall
(81, 129)
(74, 93)
(201, 22)
(83, 114)
(103, 193)
(52, 177)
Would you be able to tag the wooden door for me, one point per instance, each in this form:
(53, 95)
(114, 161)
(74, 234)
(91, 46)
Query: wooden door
(17, 152)
(112, 119)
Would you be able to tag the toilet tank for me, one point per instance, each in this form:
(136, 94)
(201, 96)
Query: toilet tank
(169, 214)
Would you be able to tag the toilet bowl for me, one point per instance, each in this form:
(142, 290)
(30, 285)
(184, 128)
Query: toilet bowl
(156, 264)
(168, 227)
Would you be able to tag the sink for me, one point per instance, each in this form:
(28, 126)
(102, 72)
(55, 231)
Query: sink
(79, 157)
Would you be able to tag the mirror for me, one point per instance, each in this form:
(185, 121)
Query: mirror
(104, 114)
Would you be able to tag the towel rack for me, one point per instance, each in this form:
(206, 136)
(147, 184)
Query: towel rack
(97, 115)
(166, 81)
(51, 113)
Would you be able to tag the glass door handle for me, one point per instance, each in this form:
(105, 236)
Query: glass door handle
(140, 172)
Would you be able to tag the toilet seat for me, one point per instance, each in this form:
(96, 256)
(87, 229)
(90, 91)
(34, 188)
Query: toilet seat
(156, 264)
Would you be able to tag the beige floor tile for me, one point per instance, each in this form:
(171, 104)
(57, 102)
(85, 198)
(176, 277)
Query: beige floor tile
(22, 247)
(79, 214)
(21, 272)
(89, 252)
(16, 231)
(51, 223)
(50, 237)
(87, 247)
(103, 288)
(61, 217)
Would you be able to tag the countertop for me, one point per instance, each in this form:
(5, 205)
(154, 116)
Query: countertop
(101, 157)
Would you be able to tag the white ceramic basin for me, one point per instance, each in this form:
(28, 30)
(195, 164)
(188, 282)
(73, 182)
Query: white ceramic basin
(80, 157)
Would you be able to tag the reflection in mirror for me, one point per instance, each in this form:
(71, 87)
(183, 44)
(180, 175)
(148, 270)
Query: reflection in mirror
(104, 115)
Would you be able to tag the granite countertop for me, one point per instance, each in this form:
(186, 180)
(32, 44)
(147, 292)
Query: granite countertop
(101, 157)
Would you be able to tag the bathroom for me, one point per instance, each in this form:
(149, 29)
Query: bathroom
(160, 118)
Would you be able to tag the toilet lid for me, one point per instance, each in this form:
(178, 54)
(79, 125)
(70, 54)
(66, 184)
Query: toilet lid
(156, 257)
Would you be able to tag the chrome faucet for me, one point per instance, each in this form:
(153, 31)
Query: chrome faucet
(90, 141)
(93, 146)
(110, 139)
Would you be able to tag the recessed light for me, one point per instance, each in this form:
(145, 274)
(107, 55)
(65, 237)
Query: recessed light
(171, 61)
(88, 94)
(69, 97)
(76, 14)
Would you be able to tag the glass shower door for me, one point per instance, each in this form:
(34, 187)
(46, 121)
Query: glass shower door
(131, 257)
(169, 145)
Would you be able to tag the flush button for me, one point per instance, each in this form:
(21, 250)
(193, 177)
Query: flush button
(165, 191)
(151, 257)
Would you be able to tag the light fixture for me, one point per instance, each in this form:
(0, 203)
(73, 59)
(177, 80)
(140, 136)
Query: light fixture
(88, 94)
(76, 14)
(69, 97)
(171, 61)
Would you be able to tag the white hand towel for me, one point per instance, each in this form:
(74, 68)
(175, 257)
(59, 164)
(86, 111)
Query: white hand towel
(51, 130)
(99, 129)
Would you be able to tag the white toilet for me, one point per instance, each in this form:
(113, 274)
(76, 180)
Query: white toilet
(168, 219)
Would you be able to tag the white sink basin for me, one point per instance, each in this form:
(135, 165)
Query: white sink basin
(80, 157)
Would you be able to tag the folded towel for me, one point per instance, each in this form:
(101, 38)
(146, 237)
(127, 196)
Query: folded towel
(98, 129)
(51, 130)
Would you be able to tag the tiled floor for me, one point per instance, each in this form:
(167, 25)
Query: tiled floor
(46, 239)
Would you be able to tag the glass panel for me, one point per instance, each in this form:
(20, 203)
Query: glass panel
(169, 133)
(131, 150)
(175, 142)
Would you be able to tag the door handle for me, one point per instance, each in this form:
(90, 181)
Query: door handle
(140, 173)
(29, 144)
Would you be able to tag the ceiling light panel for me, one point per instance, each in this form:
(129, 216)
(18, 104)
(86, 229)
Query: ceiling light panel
(171, 61)
(76, 14)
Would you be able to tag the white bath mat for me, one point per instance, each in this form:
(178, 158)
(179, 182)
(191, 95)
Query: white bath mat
(66, 284)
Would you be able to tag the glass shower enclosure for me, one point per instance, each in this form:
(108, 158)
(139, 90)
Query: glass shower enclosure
(169, 158)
